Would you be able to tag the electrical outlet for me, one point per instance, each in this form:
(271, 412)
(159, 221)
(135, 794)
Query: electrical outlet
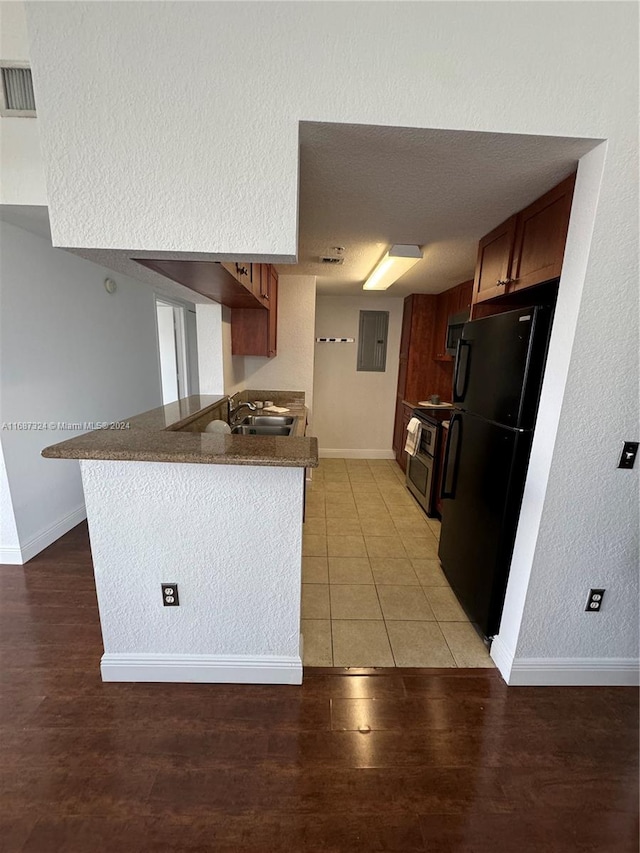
(170, 595)
(628, 455)
(594, 602)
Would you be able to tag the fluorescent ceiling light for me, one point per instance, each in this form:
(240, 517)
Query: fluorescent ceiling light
(395, 263)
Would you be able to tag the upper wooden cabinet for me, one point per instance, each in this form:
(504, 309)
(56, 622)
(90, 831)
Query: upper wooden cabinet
(254, 330)
(209, 278)
(541, 234)
(527, 249)
(493, 266)
(253, 276)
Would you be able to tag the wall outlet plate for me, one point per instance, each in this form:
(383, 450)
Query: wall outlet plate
(628, 455)
(594, 602)
(170, 595)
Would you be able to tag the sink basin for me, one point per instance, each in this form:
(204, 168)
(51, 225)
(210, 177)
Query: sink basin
(266, 420)
(259, 429)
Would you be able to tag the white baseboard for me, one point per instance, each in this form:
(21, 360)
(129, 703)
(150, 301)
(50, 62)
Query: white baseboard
(20, 556)
(502, 657)
(564, 672)
(11, 556)
(350, 453)
(203, 669)
(575, 672)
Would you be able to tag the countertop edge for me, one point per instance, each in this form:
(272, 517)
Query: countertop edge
(151, 439)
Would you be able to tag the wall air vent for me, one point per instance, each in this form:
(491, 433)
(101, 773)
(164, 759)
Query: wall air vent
(330, 259)
(17, 90)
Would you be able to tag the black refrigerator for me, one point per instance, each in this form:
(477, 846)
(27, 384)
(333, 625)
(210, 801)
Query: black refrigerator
(496, 388)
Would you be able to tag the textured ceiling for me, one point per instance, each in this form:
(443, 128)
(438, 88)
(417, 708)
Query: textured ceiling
(366, 187)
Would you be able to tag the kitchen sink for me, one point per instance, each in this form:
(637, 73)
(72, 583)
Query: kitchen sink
(266, 420)
(262, 429)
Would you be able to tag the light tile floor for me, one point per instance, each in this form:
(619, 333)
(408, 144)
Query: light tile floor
(373, 592)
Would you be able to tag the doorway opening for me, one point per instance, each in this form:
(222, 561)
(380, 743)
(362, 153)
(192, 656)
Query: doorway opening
(177, 349)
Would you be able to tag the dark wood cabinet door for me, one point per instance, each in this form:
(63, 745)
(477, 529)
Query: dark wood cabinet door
(402, 377)
(419, 380)
(541, 234)
(405, 339)
(397, 427)
(272, 295)
(493, 265)
(446, 304)
(244, 274)
(465, 296)
(264, 285)
(255, 331)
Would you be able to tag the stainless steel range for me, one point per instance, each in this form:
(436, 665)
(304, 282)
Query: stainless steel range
(422, 468)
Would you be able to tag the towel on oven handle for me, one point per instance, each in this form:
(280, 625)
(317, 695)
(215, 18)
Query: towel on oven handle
(414, 432)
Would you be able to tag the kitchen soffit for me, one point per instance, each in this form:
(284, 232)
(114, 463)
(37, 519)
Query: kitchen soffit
(366, 187)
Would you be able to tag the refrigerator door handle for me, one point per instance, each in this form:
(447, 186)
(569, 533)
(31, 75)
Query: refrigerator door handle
(462, 358)
(450, 472)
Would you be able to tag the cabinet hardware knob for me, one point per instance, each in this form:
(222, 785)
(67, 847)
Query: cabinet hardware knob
(241, 270)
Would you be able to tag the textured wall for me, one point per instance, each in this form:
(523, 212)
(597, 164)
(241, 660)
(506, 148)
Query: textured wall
(589, 526)
(212, 165)
(354, 410)
(70, 352)
(229, 536)
(292, 368)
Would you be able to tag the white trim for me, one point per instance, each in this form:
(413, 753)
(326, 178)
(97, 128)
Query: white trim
(203, 669)
(350, 453)
(21, 555)
(502, 656)
(11, 556)
(559, 672)
(575, 672)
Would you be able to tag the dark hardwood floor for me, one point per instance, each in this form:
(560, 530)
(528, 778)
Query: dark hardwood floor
(402, 760)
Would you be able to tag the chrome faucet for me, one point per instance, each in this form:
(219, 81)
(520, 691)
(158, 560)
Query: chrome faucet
(235, 407)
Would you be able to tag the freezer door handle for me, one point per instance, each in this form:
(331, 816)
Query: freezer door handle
(461, 370)
(450, 464)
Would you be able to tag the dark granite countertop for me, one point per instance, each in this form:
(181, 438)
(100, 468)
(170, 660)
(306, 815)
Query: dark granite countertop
(158, 436)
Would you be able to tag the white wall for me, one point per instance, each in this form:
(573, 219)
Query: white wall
(233, 366)
(21, 173)
(9, 542)
(70, 352)
(292, 368)
(210, 349)
(156, 522)
(354, 410)
(475, 72)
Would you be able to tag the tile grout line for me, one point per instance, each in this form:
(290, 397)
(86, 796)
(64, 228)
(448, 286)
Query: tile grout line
(455, 660)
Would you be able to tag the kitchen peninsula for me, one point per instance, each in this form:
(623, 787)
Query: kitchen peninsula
(217, 515)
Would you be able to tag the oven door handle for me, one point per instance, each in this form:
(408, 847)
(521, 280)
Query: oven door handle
(450, 465)
(462, 356)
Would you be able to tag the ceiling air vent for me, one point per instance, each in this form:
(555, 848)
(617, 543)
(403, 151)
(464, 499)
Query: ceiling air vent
(17, 90)
(330, 259)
